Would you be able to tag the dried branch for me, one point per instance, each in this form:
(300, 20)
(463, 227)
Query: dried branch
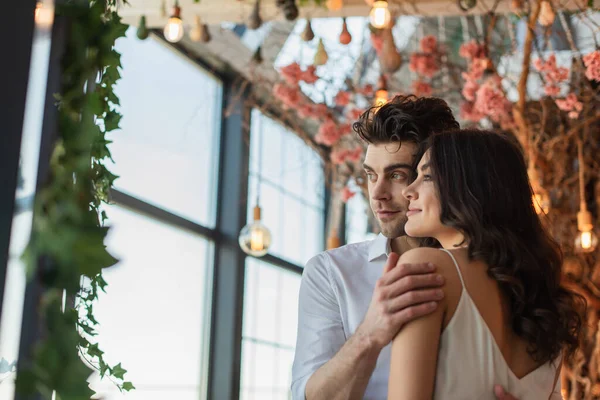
(519, 110)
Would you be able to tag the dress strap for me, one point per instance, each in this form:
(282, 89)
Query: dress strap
(456, 265)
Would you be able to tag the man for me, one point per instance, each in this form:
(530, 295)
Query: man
(355, 299)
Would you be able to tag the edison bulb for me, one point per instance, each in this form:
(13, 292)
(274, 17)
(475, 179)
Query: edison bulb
(586, 242)
(541, 202)
(44, 14)
(174, 30)
(380, 14)
(255, 239)
(334, 5)
(381, 97)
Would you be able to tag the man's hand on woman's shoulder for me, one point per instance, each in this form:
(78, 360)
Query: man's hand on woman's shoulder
(403, 293)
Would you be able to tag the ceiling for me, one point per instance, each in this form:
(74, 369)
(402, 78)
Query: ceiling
(237, 11)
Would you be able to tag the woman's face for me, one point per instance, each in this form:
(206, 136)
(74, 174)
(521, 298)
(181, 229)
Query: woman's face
(424, 208)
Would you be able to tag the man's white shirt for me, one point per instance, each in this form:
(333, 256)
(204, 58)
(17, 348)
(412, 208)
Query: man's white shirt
(335, 294)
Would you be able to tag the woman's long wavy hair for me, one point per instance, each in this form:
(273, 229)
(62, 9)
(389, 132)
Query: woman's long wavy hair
(484, 191)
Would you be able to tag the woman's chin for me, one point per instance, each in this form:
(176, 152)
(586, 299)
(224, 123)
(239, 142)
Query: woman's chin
(414, 231)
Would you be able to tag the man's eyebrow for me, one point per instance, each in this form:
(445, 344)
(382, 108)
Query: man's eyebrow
(391, 167)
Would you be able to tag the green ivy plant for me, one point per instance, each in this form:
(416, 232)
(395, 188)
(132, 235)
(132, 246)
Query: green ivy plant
(66, 252)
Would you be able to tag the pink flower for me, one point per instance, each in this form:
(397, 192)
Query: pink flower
(551, 90)
(469, 113)
(367, 90)
(345, 129)
(328, 133)
(429, 44)
(491, 102)
(339, 156)
(424, 64)
(470, 90)
(290, 97)
(342, 98)
(592, 65)
(347, 194)
(354, 114)
(552, 73)
(570, 104)
(310, 75)
(471, 50)
(356, 154)
(422, 89)
(315, 111)
(292, 73)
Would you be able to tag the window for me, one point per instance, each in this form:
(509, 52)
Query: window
(292, 190)
(269, 331)
(166, 152)
(155, 317)
(357, 221)
(292, 198)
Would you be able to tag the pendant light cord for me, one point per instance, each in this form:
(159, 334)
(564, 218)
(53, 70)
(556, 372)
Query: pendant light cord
(260, 147)
(582, 206)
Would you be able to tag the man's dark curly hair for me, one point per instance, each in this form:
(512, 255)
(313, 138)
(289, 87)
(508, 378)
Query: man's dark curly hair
(405, 118)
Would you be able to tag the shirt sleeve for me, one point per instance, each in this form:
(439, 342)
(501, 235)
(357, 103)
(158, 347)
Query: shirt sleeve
(320, 331)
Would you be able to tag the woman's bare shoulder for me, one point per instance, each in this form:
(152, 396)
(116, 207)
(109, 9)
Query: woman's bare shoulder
(427, 255)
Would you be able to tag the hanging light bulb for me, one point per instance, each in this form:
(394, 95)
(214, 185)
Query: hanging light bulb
(547, 14)
(345, 36)
(467, 5)
(321, 56)
(255, 238)
(586, 242)
(174, 29)
(381, 95)
(142, 30)
(380, 16)
(44, 14)
(334, 5)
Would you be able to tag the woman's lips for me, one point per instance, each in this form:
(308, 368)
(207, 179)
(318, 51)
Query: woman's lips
(412, 212)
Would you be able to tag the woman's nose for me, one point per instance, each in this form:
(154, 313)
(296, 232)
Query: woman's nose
(409, 192)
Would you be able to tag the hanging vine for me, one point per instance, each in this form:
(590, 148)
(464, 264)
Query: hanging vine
(66, 253)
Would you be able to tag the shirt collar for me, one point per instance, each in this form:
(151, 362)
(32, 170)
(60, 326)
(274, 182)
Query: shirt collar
(379, 246)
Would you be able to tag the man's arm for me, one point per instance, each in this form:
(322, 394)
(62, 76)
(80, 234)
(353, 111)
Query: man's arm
(328, 367)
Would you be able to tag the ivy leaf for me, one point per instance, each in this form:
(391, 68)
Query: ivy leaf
(95, 103)
(103, 368)
(111, 121)
(128, 386)
(118, 371)
(101, 282)
(94, 351)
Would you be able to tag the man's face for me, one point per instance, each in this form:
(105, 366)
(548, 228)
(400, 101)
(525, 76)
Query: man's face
(389, 167)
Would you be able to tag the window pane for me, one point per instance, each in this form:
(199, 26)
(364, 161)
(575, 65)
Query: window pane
(269, 331)
(356, 216)
(154, 318)
(167, 150)
(295, 166)
(291, 189)
(294, 234)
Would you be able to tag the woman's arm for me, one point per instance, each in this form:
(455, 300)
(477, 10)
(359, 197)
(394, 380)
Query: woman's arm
(415, 348)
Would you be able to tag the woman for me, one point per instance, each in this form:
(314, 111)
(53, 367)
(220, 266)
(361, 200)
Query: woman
(505, 319)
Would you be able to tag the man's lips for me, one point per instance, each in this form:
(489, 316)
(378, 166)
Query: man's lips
(385, 213)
